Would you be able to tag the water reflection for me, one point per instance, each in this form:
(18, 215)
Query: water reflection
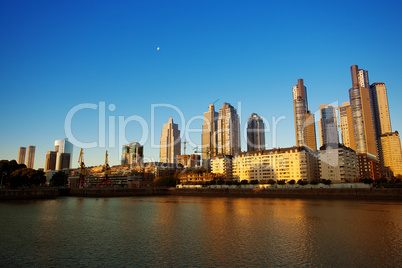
(196, 231)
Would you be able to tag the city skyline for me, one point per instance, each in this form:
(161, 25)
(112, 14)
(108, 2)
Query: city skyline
(234, 53)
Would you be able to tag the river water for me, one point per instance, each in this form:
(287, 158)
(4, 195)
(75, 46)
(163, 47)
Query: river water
(200, 232)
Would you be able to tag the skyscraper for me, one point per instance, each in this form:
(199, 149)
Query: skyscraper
(328, 125)
(51, 158)
(304, 119)
(379, 100)
(21, 155)
(132, 154)
(209, 133)
(170, 142)
(255, 133)
(346, 120)
(63, 146)
(228, 130)
(362, 112)
(30, 157)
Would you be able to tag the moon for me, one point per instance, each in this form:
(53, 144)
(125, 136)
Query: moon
(157, 48)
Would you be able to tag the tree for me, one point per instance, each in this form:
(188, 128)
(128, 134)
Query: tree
(244, 182)
(302, 182)
(254, 182)
(27, 176)
(59, 179)
(314, 182)
(271, 181)
(326, 182)
(281, 182)
(291, 182)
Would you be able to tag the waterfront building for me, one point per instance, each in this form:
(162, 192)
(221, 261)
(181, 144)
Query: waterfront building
(255, 133)
(362, 112)
(30, 157)
(222, 165)
(21, 155)
(51, 159)
(346, 123)
(304, 119)
(61, 147)
(228, 130)
(338, 163)
(170, 142)
(328, 125)
(369, 167)
(189, 161)
(132, 154)
(209, 133)
(392, 153)
(294, 163)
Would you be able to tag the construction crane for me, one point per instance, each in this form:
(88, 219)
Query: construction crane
(106, 182)
(215, 101)
(82, 170)
(184, 144)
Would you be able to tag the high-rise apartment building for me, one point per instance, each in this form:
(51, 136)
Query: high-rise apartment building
(228, 131)
(63, 146)
(304, 119)
(132, 154)
(255, 133)
(30, 157)
(391, 152)
(346, 121)
(51, 158)
(328, 125)
(379, 100)
(209, 133)
(21, 155)
(362, 112)
(170, 143)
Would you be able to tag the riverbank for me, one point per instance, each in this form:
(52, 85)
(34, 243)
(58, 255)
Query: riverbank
(30, 193)
(323, 193)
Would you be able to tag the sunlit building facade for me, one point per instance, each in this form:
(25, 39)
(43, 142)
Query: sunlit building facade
(228, 130)
(170, 142)
(304, 119)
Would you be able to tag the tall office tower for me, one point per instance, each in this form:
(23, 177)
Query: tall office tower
(170, 143)
(228, 130)
(304, 119)
(30, 156)
(255, 133)
(362, 112)
(379, 100)
(328, 125)
(51, 158)
(391, 152)
(132, 154)
(63, 161)
(21, 155)
(382, 121)
(346, 120)
(63, 146)
(209, 133)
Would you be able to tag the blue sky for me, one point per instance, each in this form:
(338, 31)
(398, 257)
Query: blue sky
(56, 55)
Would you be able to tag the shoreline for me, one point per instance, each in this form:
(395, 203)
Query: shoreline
(394, 194)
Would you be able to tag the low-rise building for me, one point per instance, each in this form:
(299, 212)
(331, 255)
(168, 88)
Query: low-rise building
(292, 163)
(222, 165)
(338, 163)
